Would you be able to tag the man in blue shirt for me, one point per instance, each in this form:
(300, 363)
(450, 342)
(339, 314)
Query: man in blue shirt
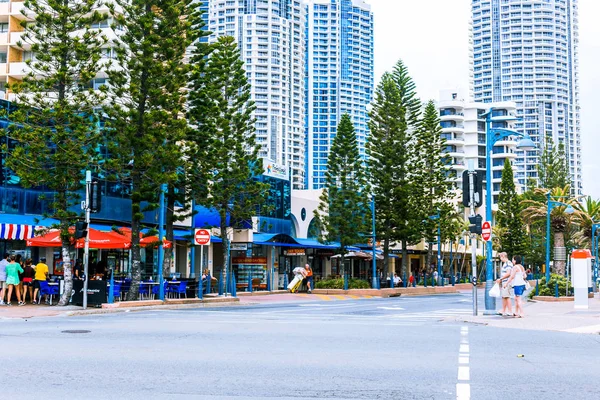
(3, 286)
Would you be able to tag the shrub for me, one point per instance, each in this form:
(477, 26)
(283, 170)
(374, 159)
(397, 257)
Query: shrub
(339, 284)
(549, 289)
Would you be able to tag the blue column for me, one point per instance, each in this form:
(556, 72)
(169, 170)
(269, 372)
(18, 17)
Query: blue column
(374, 265)
(548, 212)
(111, 295)
(193, 249)
(490, 302)
(439, 250)
(161, 235)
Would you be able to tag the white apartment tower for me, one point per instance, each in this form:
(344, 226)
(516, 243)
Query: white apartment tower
(339, 77)
(526, 51)
(270, 34)
(464, 128)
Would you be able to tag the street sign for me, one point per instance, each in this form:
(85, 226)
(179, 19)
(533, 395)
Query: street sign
(486, 231)
(201, 237)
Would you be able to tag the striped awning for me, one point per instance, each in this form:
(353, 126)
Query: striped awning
(16, 231)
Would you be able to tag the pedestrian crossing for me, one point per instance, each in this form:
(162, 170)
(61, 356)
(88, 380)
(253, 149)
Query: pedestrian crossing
(435, 315)
(333, 297)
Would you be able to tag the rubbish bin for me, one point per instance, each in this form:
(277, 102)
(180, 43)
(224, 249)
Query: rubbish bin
(581, 277)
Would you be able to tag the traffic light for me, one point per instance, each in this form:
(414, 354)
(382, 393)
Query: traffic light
(478, 178)
(80, 229)
(475, 224)
(95, 197)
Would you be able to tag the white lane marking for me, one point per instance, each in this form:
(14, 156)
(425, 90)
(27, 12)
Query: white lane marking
(463, 373)
(463, 391)
(391, 308)
(463, 387)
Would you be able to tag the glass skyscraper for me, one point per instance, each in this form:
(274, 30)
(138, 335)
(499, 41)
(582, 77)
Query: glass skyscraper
(339, 77)
(270, 34)
(526, 51)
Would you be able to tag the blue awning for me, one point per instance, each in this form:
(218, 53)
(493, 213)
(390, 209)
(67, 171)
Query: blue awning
(283, 240)
(379, 253)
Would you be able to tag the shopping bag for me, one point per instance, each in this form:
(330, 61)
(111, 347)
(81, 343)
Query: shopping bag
(495, 290)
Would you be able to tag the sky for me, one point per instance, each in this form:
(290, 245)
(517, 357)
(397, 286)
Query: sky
(431, 37)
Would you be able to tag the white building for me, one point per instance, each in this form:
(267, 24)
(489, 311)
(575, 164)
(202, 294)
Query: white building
(464, 129)
(270, 34)
(526, 51)
(340, 77)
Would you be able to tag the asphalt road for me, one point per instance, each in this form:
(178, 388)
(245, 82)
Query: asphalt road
(394, 348)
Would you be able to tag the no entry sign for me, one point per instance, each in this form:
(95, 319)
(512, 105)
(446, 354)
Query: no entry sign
(201, 237)
(486, 230)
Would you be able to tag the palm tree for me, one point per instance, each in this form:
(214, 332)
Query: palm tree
(535, 211)
(586, 213)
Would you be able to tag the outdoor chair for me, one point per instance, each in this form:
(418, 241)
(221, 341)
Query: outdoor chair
(125, 286)
(47, 290)
(116, 291)
(144, 290)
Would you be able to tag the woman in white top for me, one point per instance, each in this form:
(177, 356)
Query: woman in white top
(517, 278)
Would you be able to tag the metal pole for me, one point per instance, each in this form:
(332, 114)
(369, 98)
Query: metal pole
(548, 211)
(201, 272)
(374, 263)
(86, 247)
(271, 277)
(490, 302)
(161, 234)
(193, 250)
(473, 238)
(439, 252)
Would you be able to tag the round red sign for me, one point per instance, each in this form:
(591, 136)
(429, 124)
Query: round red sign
(202, 237)
(486, 230)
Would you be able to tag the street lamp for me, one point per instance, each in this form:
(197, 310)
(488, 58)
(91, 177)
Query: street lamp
(439, 234)
(374, 277)
(492, 136)
(551, 205)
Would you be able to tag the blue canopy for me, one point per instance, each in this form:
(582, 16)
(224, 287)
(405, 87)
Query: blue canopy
(283, 240)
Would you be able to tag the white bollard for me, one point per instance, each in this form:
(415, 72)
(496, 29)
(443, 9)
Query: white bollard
(580, 277)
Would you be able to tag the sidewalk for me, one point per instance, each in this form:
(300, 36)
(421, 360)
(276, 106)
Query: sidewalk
(546, 316)
(33, 311)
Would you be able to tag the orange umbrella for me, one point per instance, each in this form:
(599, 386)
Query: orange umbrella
(98, 240)
(144, 240)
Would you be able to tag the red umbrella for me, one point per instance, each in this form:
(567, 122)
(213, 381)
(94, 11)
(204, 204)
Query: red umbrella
(144, 240)
(98, 240)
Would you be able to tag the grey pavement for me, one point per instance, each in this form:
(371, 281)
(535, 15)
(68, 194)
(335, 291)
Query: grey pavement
(396, 348)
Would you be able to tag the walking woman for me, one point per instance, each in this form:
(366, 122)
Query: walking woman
(517, 279)
(27, 281)
(12, 280)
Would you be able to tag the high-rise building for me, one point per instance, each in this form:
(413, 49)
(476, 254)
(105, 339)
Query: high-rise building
(270, 35)
(339, 77)
(464, 128)
(526, 51)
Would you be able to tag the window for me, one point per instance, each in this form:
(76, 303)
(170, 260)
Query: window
(3, 27)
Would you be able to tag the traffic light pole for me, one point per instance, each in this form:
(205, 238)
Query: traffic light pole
(86, 247)
(473, 236)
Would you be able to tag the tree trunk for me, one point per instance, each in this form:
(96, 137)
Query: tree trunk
(429, 256)
(226, 246)
(136, 257)
(559, 241)
(67, 274)
(405, 258)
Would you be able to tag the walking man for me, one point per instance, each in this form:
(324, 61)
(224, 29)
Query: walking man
(309, 277)
(505, 291)
(41, 274)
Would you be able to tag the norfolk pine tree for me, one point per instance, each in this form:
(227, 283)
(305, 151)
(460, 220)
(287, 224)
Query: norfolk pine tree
(344, 201)
(553, 169)
(513, 236)
(55, 126)
(222, 140)
(143, 103)
(392, 159)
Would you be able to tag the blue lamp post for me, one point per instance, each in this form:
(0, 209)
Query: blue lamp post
(494, 135)
(551, 205)
(439, 234)
(374, 277)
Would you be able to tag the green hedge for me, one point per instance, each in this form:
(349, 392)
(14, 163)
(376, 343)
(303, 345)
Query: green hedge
(339, 284)
(550, 288)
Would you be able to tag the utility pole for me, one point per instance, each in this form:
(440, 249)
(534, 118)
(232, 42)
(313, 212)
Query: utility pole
(472, 202)
(86, 247)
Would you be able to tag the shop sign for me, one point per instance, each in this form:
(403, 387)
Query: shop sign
(238, 246)
(325, 253)
(294, 252)
(249, 260)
